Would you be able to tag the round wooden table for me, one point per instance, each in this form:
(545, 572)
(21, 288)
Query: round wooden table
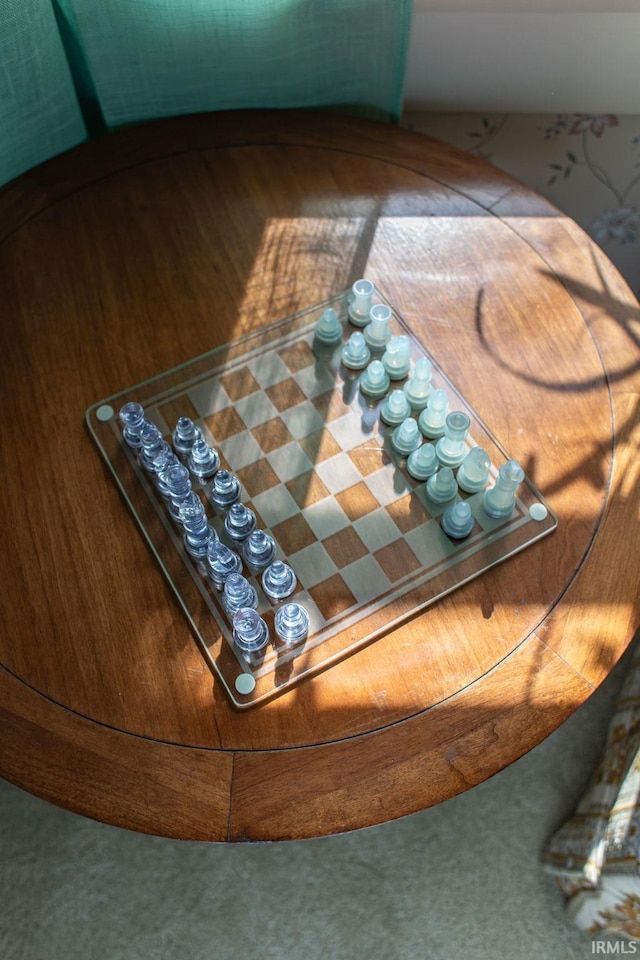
(136, 252)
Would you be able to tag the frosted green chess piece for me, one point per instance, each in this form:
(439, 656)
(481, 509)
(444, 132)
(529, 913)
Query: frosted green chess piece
(374, 380)
(418, 386)
(355, 354)
(473, 472)
(377, 332)
(406, 437)
(361, 301)
(432, 419)
(442, 486)
(457, 520)
(450, 448)
(395, 408)
(328, 329)
(397, 357)
(423, 462)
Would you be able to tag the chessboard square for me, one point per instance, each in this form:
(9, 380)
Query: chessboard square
(327, 517)
(338, 473)
(315, 380)
(285, 394)
(408, 513)
(312, 565)
(369, 457)
(257, 477)
(376, 529)
(255, 409)
(344, 547)
(347, 431)
(366, 579)
(289, 461)
(297, 355)
(239, 383)
(319, 446)
(172, 410)
(224, 424)
(431, 546)
(397, 560)
(209, 397)
(331, 405)
(307, 488)
(316, 620)
(302, 420)
(268, 369)
(332, 597)
(293, 534)
(357, 501)
(388, 485)
(272, 434)
(275, 505)
(240, 450)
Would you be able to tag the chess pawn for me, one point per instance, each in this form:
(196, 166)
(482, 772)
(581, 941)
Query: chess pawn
(178, 482)
(203, 460)
(457, 520)
(374, 381)
(432, 419)
(450, 448)
(238, 593)
(473, 472)
(377, 333)
(397, 357)
(362, 293)
(278, 580)
(197, 531)
(328, 329)
(184, 436)
(224, 491)
(222, 561)
(499, 501)
(258, 551)
(151, 444)
(442, 486)
(292, 623)
(239, 522)
(423, 462)
(250, 634)
(355, 353)
(418, 386)
(132, 420)
(395, 408)
(406, 437)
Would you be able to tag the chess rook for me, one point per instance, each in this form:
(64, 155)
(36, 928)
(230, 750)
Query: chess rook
(450, 448)
(250, 634)
(377, 333)
(499, 501)
(132, 420)
(362, 293)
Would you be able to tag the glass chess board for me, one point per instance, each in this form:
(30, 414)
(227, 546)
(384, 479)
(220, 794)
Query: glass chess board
(316, 466)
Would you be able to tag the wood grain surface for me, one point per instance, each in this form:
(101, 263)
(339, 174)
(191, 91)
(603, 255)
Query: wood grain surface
(138, 251)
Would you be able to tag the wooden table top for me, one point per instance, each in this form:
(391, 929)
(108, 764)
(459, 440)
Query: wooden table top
(134, 253)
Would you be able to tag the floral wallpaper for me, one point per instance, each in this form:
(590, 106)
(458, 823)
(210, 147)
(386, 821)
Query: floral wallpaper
(588, 165)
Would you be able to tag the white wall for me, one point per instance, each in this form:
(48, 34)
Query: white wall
(537, 56)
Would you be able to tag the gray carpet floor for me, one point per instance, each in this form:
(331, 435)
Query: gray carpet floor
(461, 880)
